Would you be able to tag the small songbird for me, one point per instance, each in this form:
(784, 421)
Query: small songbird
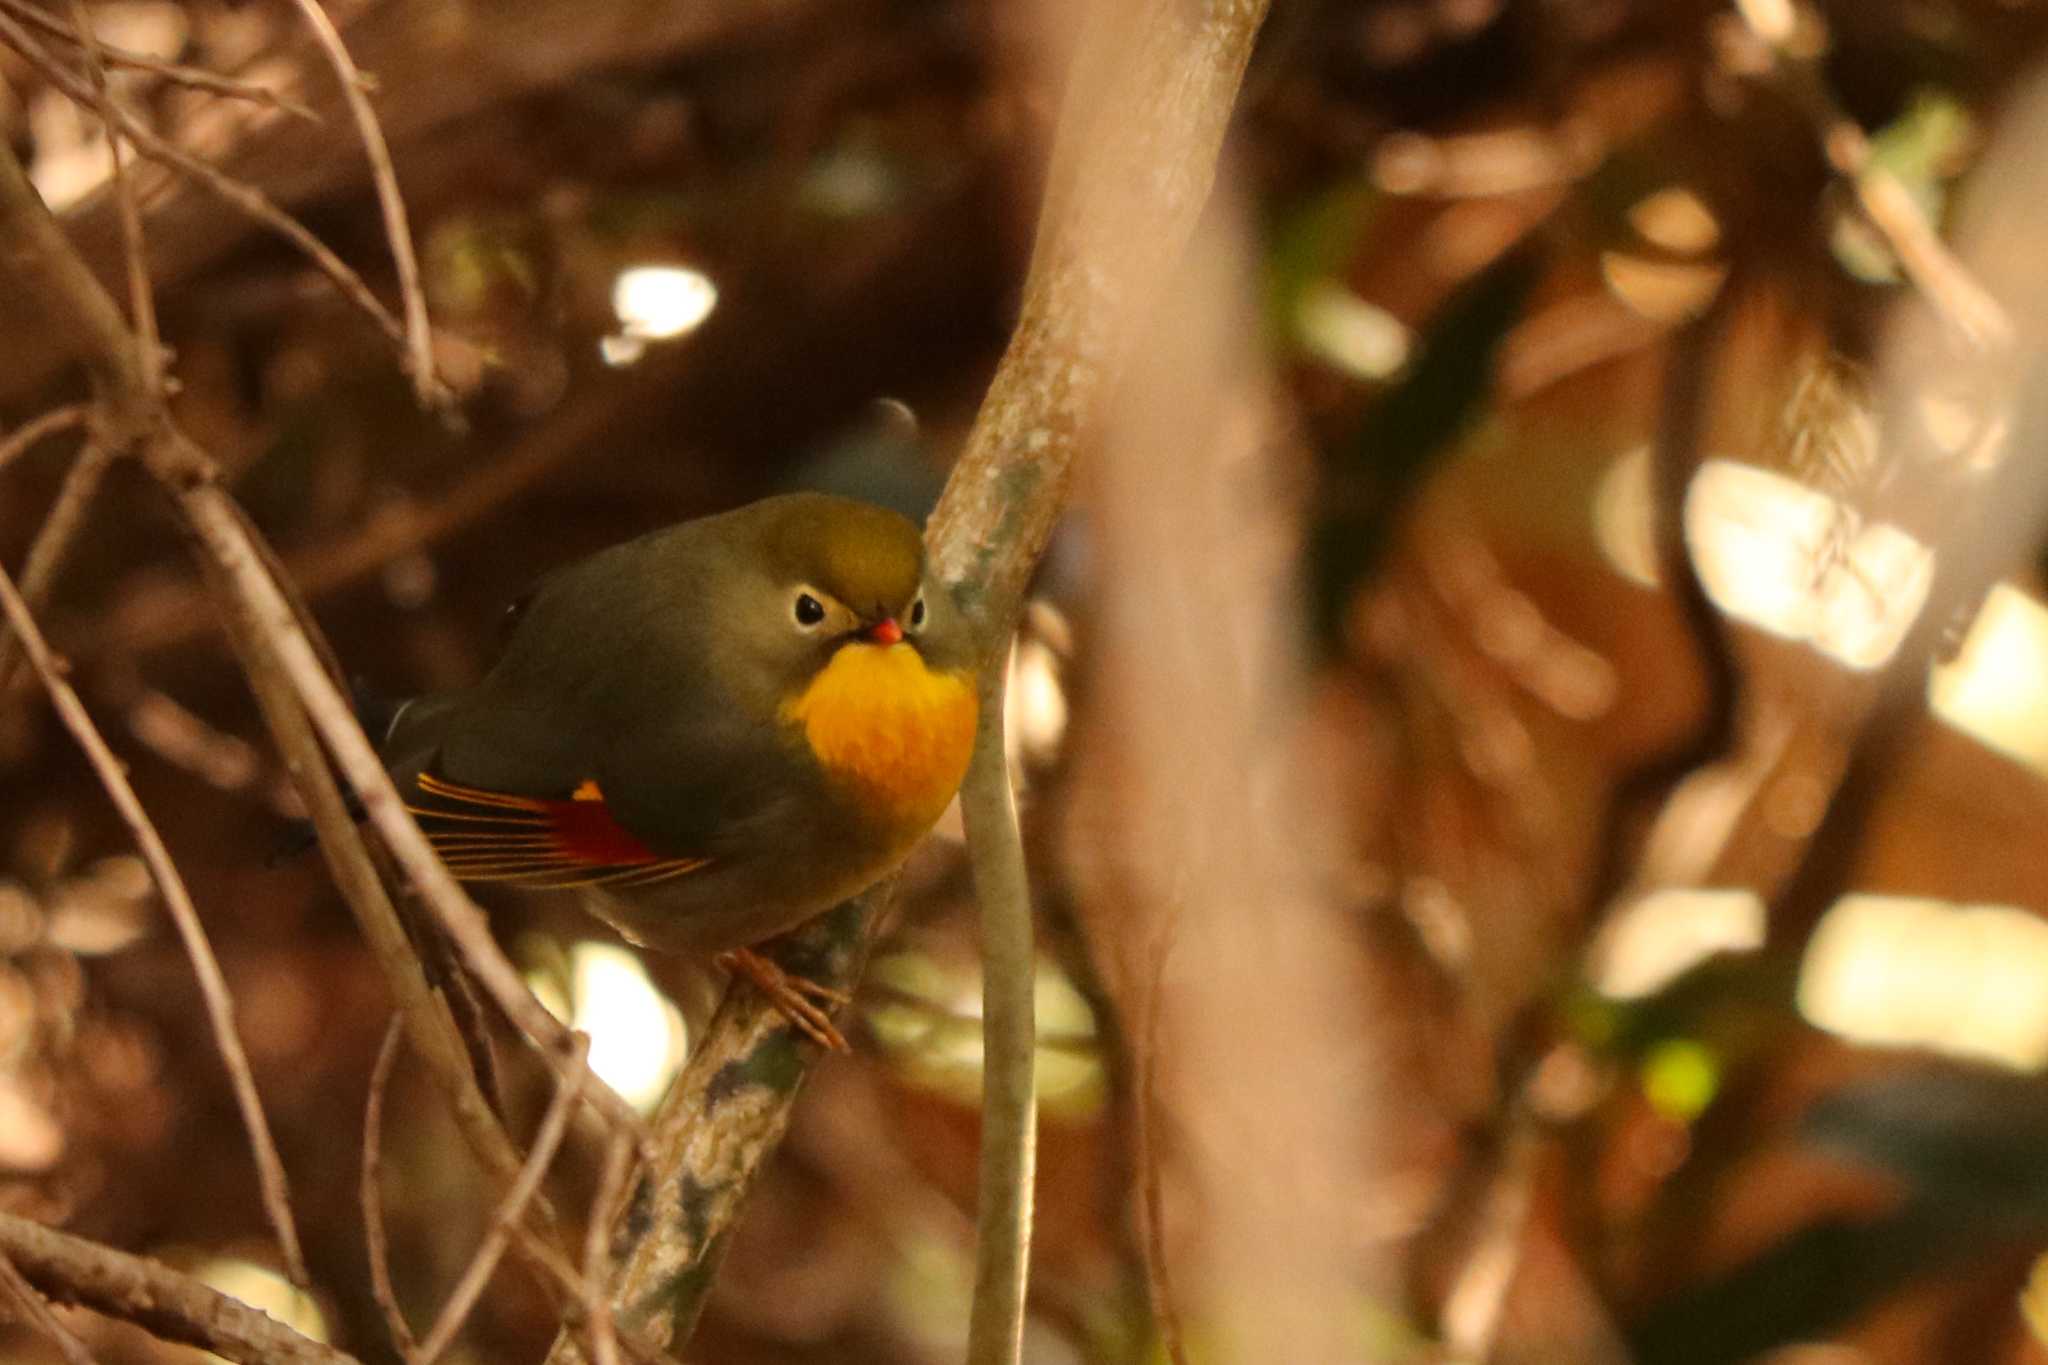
(717, 731)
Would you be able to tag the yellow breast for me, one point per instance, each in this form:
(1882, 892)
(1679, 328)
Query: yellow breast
(891, 728)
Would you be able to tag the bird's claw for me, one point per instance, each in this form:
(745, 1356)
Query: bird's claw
(794, 996)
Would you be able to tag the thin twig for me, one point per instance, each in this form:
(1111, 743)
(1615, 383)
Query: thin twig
(36, 1311)
(220, 1009)
(429, 1025)
(54, 538)
(1009, 1105)
(39, 429)
(511, 1210)
(1935, 270)
(163, 1302)
(420, 339)
(604, 1207)
(259, 614)
(372, 1191)
(193, 77)
(244, 198)
(149, 353)
(1151, 1194)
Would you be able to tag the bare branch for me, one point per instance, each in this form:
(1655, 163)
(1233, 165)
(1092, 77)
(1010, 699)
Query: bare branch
(511, 1210)
(245, 199)
(52, 545)
(193, 77)
(419, 337)
(83, 319)
(149, 353)
(372, 1192)
(36, 1311)
(1009, 1105)
(39, 429)
(1151, 1194)
(225, 542)
(220, 1009)
(1935, 270)
(151, 1295)
(604, 1207)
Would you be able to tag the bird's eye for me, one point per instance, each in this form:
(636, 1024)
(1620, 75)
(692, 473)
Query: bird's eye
(809, 610)
(917, 614)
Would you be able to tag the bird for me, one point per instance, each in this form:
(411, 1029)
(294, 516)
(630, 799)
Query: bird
(713, 732)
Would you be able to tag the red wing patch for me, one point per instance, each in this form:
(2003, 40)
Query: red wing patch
(538, 841)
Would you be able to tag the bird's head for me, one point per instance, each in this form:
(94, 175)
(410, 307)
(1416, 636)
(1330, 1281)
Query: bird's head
(828, 574)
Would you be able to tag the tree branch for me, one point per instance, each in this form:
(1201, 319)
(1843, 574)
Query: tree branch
(35, 1310)
(511, 1211)
(193, 77)
(243, 198)
(39, 429)
(1132, 167)
(52, 545)
(370, 1191)
(1009, 1104)
(162, 1301)
(418, 335)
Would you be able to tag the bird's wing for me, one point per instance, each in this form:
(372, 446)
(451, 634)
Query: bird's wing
(538, 841)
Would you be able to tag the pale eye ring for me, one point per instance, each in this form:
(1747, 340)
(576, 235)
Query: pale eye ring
(809, 611)
(917, 613)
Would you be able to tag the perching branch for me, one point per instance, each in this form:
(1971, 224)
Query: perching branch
(1132, 167)
(169, 1305)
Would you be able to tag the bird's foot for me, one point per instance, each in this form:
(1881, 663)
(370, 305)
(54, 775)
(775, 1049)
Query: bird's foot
(797, 997)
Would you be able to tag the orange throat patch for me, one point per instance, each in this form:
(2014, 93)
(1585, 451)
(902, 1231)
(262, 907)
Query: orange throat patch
(892, 729)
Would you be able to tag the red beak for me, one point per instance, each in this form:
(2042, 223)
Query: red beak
(885, 631)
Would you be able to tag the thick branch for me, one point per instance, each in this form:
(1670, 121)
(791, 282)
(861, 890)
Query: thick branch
(150, 1294)
(32, 1308)
(1132, 169)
